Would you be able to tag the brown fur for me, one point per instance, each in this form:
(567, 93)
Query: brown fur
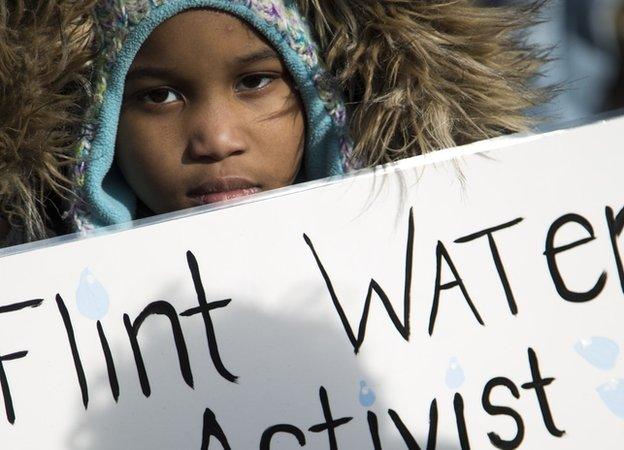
(44, 52)
(421, 75)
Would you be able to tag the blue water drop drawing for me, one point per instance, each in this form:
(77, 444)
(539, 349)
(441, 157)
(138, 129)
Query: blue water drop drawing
(91, 296)
(454, 374)
(612, 394)
(600, 352)
(367, 396)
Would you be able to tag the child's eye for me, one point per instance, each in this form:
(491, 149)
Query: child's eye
(160, 96)
(254, 82)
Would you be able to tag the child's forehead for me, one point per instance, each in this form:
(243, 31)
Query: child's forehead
(199, 28)
(206, 19)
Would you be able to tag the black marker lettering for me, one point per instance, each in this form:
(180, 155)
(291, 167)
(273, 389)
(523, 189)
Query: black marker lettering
(498, 263)
(493, 410)
(265, 441)
(110, 364)
(538, 384)
(551, 251)
(4, 381)
(402, 327)
(373, 426)
(82, 381)
(409, 440)
(616, 224)
(166, 309)
(458, 405)
(212, 428)
(204, 308)
(441, 253)
(330, 423)
(21, 305)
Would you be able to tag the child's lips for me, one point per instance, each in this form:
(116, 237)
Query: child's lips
(221, 189)
(227, 195)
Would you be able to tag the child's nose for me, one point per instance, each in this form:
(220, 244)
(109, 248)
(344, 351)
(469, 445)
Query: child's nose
(215, 134)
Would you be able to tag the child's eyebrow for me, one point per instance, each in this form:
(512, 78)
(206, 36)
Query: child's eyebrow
(260, 55)
(161, 72)
(149, 72)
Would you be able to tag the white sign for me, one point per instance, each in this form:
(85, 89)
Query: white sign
(402, 308)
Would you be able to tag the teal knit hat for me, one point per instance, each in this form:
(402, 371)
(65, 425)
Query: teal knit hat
(104, 197)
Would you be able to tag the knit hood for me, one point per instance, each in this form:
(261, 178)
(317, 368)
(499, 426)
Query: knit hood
(417, 76)
(44, 56)
(123, 26)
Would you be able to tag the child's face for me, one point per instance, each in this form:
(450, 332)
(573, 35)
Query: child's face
(209, 113)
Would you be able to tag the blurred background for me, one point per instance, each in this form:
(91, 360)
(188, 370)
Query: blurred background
(587, 40)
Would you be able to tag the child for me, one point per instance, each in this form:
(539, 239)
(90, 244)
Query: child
(44, 53)
(197, 101)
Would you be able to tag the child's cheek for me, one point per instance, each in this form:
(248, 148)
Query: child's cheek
(282, 139)
(283, 151)
(149, 152)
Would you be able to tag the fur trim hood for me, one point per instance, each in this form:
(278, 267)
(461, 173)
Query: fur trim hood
(44, 51)
(421, 75)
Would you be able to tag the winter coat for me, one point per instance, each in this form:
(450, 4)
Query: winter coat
(415, 76)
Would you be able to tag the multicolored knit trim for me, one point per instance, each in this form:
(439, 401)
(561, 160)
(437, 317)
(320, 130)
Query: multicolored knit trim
(115, 20)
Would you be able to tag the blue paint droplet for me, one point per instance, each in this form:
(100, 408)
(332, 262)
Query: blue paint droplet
(612, 394)
(454, 374)
(91, 296)
(600, 352)
(367, 396)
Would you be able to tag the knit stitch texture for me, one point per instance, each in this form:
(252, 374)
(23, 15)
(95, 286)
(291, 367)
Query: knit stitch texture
(123, 26)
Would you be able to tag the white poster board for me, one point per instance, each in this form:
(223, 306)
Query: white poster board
(401, 308)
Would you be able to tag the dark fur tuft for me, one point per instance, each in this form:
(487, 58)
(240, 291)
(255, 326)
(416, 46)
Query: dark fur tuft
(420, 75)
(44, 53)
